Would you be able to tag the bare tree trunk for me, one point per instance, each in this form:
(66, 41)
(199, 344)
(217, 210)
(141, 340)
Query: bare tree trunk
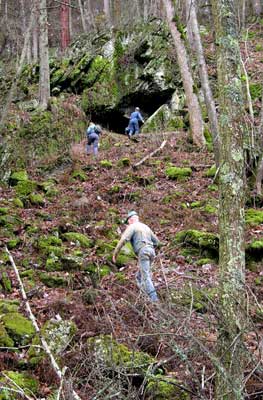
(257, 7)
(18, 72)
(64, 26)
(209, 101)
(82, 17)
(231, 206)
(195, 115)
(107, 10)
(90, 15)
(24, 23)
(44, 79)
(35, 33)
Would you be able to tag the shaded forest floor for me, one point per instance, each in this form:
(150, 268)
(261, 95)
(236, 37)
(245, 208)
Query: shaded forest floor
(93, 196)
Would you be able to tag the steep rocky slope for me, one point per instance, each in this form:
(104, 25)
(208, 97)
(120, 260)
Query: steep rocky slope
(61, 230)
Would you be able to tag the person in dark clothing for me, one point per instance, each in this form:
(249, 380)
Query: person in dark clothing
(93, 133)
(134, 127)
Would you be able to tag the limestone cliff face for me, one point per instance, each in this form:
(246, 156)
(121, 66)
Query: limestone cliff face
(116, 71)
(107, 75)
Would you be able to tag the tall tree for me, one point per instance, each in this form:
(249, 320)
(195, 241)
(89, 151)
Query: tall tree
(193, 30)
(231, 208)
(35, 32)
(257, 7)
(107, 10)
(64, 25)
(83, 21)
(195, 115)
(44, 79)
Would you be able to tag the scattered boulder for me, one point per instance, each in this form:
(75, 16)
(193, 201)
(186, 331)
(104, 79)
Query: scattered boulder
(58, 334)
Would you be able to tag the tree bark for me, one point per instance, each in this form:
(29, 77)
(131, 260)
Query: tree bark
(257, 7)
(64, 25)
(231, 205)
(82, 17)
(35, 32)
(203, 74)
(44, 79)
(107, 10)
(17, 75)
(195, 115)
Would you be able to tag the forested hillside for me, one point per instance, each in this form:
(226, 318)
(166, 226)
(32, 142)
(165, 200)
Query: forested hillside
(74, 322)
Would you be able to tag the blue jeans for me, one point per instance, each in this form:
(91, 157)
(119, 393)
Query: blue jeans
(133, 127)
(143, 276)
(93, 139)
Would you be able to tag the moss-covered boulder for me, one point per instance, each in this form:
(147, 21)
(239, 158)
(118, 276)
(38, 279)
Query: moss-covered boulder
(108, 353)
(44, 136)
(168, 117)
(124, 162)
(178, 173)
(19, 328)
(18, 203)
(52, 280)
(4, 210)
(18, 381)
(8, 306)
(25, 188)
(5, 339)
(254, 217)
(79, 175)
(5, 282)
(206, 243)
(58, 334)
(161, 387)
(48, 244)
(105, 250)
(71, 263)
(254, 251)
(36, 199)
(210, 173)
(79, 239)
(201, 299)
(106, 164)
(17, 177)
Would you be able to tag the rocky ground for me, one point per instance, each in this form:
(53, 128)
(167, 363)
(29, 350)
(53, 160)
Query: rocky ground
(61, 230)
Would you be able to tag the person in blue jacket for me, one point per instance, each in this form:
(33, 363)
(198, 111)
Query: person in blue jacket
(133, 127)
(93, 133)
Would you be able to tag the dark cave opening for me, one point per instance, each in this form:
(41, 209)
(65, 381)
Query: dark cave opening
(117, 119)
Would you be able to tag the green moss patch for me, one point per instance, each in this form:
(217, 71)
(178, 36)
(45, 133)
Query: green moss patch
(19, 328)
(53, 281)
(111, 354)
(200, 299)
(57, 334)
(18, 176)
(27, 383)
(106, 164)
(254, 251)
(205, 242)
(254, 217)
(161, 387)
(5, 339)
(178, 173)
(79, 239)
(210, 173)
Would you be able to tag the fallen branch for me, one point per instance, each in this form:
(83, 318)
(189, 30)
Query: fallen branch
(46, 348)
(150, 155)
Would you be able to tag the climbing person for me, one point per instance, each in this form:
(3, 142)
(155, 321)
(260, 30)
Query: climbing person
(93, 133)
(134, 128)
(143, 241)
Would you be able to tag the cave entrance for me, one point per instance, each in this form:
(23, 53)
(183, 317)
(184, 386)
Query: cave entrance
(117, 119)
